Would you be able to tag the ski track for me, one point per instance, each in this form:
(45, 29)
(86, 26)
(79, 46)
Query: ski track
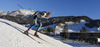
(11, 36)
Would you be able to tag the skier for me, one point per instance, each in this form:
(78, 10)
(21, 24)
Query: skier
(37, 16)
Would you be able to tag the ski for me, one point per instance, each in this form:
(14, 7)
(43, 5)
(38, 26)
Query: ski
(35, 36)
(41, 39)
(32, 38)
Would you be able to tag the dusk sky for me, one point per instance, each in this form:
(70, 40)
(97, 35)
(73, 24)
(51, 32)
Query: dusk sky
(90, 8)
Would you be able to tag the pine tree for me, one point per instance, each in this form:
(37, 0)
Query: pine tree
(65, 31)
(83, 30)
(49, 29)
(84, 34)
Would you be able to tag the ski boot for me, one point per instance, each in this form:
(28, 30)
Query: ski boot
(26, 33)
(36, 34)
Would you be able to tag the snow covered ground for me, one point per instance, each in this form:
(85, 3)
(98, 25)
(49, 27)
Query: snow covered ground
(11, 36)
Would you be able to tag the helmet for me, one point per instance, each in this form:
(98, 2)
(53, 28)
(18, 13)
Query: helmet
(43, 14)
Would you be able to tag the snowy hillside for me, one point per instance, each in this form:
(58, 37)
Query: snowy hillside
(75, 27)
(72, 27)
(12, 36)
(78, 26)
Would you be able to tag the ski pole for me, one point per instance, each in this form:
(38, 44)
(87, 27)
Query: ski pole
(19, 5)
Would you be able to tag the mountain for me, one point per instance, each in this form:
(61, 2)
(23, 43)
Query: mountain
(94, 23)
(25, 17)
(12, 36)
(72, 27)
(75, 23)
(17, 12)
(3, 13)
(62, 19)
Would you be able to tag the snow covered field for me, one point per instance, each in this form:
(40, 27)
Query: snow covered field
(11, 36)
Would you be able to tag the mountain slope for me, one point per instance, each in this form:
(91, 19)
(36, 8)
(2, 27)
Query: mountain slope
(11, 36)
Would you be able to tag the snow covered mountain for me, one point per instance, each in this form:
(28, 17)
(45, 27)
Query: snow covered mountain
(12, 36)
(18, 12)
(3, 13)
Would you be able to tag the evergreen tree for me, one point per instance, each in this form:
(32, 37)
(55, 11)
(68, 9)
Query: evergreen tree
(83, 30)
(65, 31)
(84, 34)
(49, 30)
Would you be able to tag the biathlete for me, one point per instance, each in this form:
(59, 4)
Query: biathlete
(37, 18)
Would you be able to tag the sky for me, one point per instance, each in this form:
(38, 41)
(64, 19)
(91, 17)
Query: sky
(90, 8)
